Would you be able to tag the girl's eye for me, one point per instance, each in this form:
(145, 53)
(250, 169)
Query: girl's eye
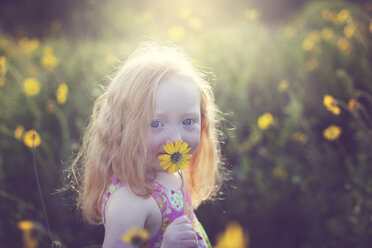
(187, 122)
(156, 124)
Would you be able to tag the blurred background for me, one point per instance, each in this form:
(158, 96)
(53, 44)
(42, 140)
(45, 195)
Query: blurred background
(293, 78)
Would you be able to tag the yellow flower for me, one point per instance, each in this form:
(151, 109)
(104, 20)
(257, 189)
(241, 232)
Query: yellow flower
(370, 26)
(31, 137)
(18, 132)
(283, 85)
(28, 45)
(176, 33)
(233, 237)
(49, 61)
(349, 30)
(195, 23)
(2, 66)
(31, 86)
(343, 15)
(252, 14)
(332, 132)
(308, 44)
(327, 33)
(314, 36)
(265, 120)
(25, 225)
(329, 101)
(352, 104)
(135, 236)
(176, 156)
(331, 104)
(280, 173)
(344, 45)
(61, 93)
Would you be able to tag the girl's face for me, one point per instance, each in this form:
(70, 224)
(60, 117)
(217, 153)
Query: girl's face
(176, 117)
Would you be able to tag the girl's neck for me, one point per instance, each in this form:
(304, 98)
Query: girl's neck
(172, 181)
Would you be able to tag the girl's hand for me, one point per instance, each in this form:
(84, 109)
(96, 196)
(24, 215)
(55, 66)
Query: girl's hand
(180, 234)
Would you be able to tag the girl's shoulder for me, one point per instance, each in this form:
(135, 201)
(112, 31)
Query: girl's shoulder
(125, 201)
(123, 211)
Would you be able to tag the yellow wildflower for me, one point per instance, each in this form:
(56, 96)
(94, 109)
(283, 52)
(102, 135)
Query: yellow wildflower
(265, 120)
(349, 30)
(299, 137)
(2, 81)
(18, 132)
(25, 225)
(344, 45)
(31, 137)
(332, 132)
(283, 85)
(331, 104)
(50, 106)
(176, 33)
(314, 36)
(61, 93)
(233, 237)
(28, 45)
(327, 33)
(195, 23)
(280, 173)
(135, 236)
(31, 86)
(370, 26)
(2, 66)
(252, 14)
(308, 44)
(176, 157)
(329, 101)
(352, 104)
(343, 15)
(49, 61)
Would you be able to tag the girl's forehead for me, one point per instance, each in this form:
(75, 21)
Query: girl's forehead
(177, 91)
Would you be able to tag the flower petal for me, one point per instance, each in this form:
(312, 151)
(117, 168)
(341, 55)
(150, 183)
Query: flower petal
(165, 165)
(169, 148)
(164, 157)
(173, 168)
(183, 147)
(187, 156)
(177, 146)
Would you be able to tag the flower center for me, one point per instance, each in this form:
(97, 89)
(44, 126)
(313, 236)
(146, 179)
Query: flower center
(176, 157)
(136, 240)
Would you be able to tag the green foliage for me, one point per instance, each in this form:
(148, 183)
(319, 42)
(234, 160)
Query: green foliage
(293, 186)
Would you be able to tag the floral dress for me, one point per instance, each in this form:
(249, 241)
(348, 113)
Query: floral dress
(171, 204)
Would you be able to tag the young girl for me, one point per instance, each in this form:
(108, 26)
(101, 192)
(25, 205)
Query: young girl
(156, 97)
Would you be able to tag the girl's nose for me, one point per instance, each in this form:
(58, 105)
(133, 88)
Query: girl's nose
(174, 136)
